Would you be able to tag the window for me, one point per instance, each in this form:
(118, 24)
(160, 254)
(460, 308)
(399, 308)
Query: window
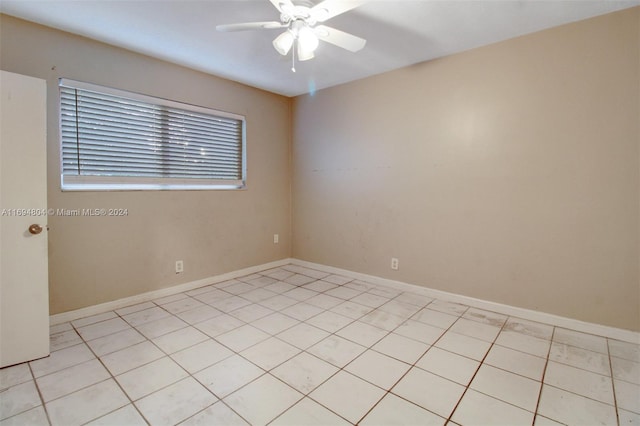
(116, 140)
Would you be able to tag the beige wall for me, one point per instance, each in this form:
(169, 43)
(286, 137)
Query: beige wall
(508, 173)
(94, 260)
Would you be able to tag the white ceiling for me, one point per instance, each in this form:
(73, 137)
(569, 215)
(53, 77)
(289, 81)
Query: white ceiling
(398, 32)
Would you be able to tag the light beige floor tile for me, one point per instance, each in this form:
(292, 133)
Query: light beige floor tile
(302, 335)
(151, 377)
(475, 329)
(351, 310)
(220, 324)
(142, 317)
(627, 396)
(263, 400)
(379, 369)
(402, 309)
(347, 395)
(232, 303)
(86, 404)
(329, 321)
(337, 279)
(627, 418)
(180, 339)
(463, 345)
(516, 362)
(320, 286)
(486, 317)
(251, 312)
(581, 358)
(435, 318)
(382, 319)
(278, 303)
(524, 343)
(449, 365)
(477, 408)
(125, 416)
(302, 311)
(581, 340)
(400, 347)
(529, 328)
(362, 333)
(217, 414)
(419, 331)
(571, 409)
(183, 305)
(419, 300)
(324, 301)
(71, 379)
(131, 357)
(242, 337)
(18, 398)
(11, 376)
(61, 359)
(200, 314)
(371, 300)
(625, 350)
(508, 387)
(82, 322)
(304, 372)
(429, 391)
(626, 370)
(275, 323)
(394, 411)
(336, 350)
(270, 353)
(63, 340)
(300, 294)
(309, 413)
(228, 375)
(115, 342)
(33, 417)
(581, 382)
(447, 307)
(175, 403)
(162, 326)
(202, 355)
(135, 308)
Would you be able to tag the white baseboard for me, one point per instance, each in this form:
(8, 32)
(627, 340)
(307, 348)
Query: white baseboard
(543, 317)
(528, 314)
(156, 294)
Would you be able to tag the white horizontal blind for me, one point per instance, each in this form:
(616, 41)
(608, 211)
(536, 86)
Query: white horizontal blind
(112, 139)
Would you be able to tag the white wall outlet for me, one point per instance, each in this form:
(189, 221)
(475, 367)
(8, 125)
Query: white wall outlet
(179, 266)
(395, 264)
(276, 238)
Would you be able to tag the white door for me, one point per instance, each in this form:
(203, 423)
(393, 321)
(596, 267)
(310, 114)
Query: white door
(24, 288)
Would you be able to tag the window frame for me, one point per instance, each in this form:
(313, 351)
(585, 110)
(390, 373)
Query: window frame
(136, 183)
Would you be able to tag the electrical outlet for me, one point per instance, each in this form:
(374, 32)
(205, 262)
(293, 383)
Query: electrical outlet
(395, 264)
(276, 238)
(179, 266)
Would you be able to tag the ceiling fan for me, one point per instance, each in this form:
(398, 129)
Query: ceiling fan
(302, 32)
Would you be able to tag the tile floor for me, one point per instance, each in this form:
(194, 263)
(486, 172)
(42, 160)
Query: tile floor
(295, 346)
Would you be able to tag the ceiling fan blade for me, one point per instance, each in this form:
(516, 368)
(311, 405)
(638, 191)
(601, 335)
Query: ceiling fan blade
(283, 6)
(250, 26)
(339, 38)
(330, 8)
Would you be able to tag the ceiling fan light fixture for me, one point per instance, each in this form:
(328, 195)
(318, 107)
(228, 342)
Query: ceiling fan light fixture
(304, 54)
(284, 42)
(307, 39)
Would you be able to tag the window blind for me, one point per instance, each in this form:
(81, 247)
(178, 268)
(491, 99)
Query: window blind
(119, 139)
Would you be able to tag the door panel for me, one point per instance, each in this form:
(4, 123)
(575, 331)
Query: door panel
(24, 288)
